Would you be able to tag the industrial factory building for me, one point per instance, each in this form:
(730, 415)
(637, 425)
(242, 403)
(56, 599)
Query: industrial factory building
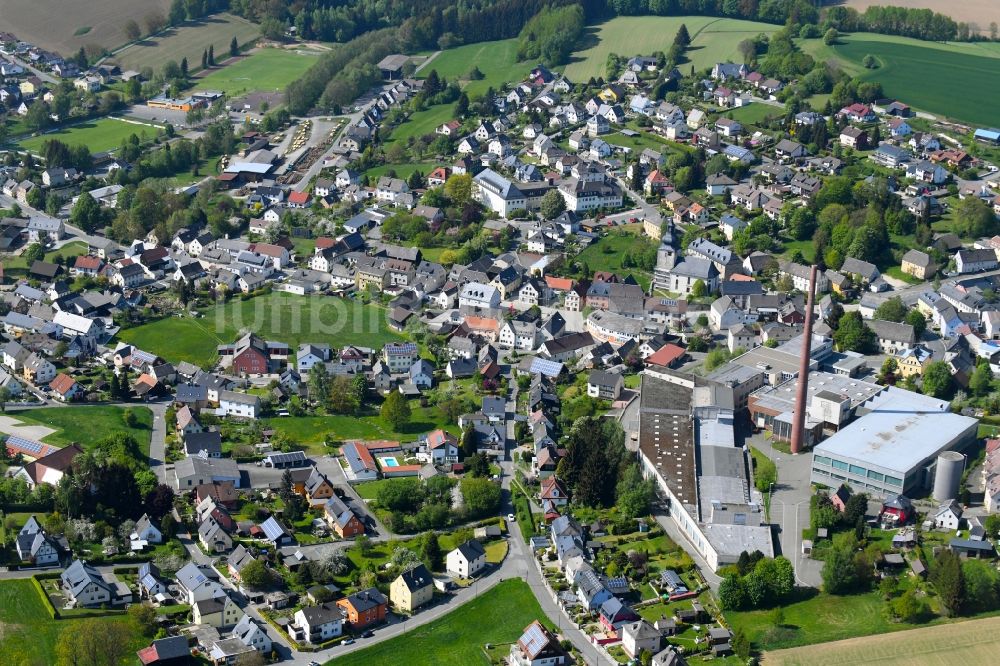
(831, 401)
(893, 447)
(687, 446)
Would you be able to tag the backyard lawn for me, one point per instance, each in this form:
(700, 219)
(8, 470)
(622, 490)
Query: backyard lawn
(754, 113)
(266, 70)
(279, 316)
(97, 135)
(608, 252)
(312, 431)
(29, 634)
(453, 639)
(90, 424)
(67, 251)
(402, 170)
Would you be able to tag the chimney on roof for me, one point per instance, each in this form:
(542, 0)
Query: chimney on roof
(799, 416)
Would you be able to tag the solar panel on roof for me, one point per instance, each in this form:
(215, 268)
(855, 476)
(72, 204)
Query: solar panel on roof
(534, 640)
(29, 446)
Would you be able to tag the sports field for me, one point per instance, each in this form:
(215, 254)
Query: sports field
(455, 640)
(266, 70)
(279, 316)
(188, 40)
(496, 60)
(712, 40)
(62, 26)
(971, 643)
(97, 135)
(958, 80)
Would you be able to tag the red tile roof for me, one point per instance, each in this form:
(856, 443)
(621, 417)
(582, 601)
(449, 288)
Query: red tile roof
(666, 355)
(62, 384)
(558, 283)
(87, 262)
(298, 197)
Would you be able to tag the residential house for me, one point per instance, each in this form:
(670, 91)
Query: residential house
(364, 608)
(411, 589)
(918, 264)
(537, 646)
(604, 385)
(467, 560)
(85, 586)
(317, 624)
(641, 636)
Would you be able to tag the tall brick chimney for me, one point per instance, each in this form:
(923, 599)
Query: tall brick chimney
(799, 416)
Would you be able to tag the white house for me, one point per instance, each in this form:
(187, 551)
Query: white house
(85, 586)
(145, 532)
(516, 334)
(467, 560)
(195, 585)
(232, 403)
(498, 193)
(478, 295)
(948, 516)
(34, 546)
(317, 624)
(252, 634)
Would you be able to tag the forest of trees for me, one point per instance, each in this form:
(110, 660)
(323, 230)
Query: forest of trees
(551, 35)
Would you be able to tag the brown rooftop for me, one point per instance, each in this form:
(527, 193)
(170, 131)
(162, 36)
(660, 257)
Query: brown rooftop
(666, 436)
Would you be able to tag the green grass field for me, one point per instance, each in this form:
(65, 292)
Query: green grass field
(457, 638)
(97, 135)
(27, 633)
(67, 251)
(402, 170)
(188, 41)
(278, 316)
(266, 70)
(86, 425)
(496, 60)
(609, 251)
(756, 112)
(712, 40)
(423, 122)
(959, 71)
(312, 431)
(819, 619)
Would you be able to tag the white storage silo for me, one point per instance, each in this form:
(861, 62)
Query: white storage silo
(950, 465)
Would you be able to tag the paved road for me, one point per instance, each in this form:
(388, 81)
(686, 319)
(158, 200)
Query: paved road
(317, 166)
(426, 62)
(519, 552)
(72, 233)
(790, 509)
(44, 76)
(649, 211)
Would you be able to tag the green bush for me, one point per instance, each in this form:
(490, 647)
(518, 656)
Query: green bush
(50, 609)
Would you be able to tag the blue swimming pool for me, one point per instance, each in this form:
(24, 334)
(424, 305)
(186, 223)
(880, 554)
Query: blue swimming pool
(389, 462)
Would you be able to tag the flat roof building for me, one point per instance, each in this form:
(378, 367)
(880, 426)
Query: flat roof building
(893, 447)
